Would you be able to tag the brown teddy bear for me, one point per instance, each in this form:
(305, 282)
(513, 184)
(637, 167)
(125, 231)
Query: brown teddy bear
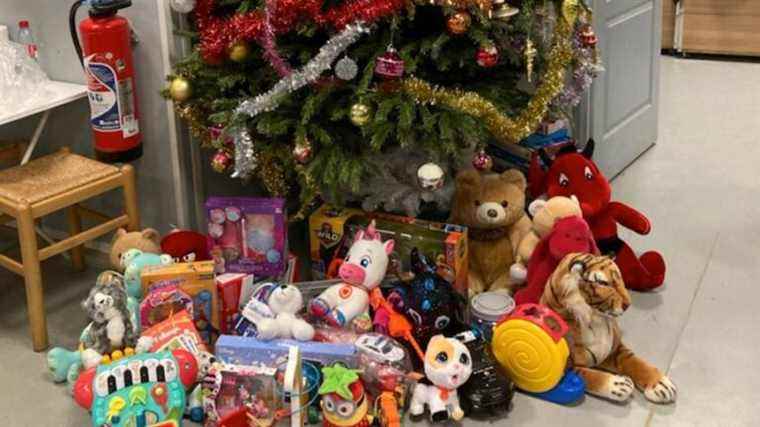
(147, 240)
(492, 206)
(545, 213)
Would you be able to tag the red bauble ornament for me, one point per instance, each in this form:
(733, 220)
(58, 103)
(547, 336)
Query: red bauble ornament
(302, 152)
(389, 65)
(482, 161)
(216, 132)
(221, 161)
(487, 56)
(588, 36)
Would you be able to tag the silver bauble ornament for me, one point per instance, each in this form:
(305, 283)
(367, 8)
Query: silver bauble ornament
(346, 68)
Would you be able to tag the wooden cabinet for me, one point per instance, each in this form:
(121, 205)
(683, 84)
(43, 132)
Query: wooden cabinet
(668, 23)
(724, 27)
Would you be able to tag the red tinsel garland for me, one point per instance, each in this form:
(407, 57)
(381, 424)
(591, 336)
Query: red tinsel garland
(217, 34)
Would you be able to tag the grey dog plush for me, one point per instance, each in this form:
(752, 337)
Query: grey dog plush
(106, 305)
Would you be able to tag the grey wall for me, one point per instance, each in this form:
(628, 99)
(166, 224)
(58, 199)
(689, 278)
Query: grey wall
(68, 124)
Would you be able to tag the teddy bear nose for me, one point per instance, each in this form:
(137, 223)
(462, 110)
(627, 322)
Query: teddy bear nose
(492, 213)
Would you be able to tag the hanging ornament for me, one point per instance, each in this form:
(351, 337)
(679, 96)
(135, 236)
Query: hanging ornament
(389, 65)
(459, 22)
(482, 161)
(430, 177)
(182, 6)
(179, 89)
(221, 161)
(239, 51)
(503, 11)
(360, 114)
(487, 56)
(570, 10)
(530, 56)
(346, 68)
(302, 151)
(588, 36)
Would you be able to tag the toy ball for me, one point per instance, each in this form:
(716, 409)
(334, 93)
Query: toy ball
(273, 256)
(530, 346)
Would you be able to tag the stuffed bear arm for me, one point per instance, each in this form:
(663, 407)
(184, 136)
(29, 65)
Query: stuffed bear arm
(518, 232)
(526, 247)
(629, 218)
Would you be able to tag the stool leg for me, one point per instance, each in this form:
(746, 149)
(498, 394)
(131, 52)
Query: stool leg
(75, 227)
(35, 301)
(130, 197)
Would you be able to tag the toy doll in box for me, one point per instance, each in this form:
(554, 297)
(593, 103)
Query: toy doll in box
(229, 388)
(249, 233)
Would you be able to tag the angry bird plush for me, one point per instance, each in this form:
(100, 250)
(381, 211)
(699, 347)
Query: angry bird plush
(186, 246)
(574, 173)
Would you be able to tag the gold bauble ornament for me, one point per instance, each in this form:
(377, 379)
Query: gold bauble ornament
(459, 23)
(180, 89)
(239, 51)
(360, 114)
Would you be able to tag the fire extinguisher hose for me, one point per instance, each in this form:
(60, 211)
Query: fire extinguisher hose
(73, 29)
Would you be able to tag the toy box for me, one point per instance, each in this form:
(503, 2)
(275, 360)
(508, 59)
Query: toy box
(248, 350)
(229, 287)
(164, 299)
(196, 279)
(176, 332)
(229, 388)
(331, 231)
(248, 235)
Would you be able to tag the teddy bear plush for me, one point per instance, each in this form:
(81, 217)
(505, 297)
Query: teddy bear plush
(284, 301)
(492, 206)
(147, 240)
(545, 213)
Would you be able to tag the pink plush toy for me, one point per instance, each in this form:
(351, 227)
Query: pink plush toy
(361, 272)
(569, 235)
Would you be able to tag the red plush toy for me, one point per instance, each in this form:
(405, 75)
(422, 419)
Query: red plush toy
(569, 235)
(185, 246)
(574, 173)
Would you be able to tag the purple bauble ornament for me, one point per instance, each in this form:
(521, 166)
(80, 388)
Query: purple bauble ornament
(482, 161)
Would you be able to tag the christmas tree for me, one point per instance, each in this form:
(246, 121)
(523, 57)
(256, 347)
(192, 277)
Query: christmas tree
(310, 95)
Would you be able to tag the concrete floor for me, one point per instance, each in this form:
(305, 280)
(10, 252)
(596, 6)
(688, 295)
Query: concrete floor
(700, 188)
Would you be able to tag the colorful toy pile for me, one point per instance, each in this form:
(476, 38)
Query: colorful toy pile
(390, 331)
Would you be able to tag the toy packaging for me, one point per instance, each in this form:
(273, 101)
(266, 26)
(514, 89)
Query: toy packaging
(248, 235)
(164, 299)
(228, 389)
(196, 279)
(248, 350)
(176, 332)
(331, 231)
(230, 287)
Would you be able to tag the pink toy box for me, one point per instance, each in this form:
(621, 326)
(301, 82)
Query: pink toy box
(248, 235)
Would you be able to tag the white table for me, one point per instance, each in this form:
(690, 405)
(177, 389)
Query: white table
(60, 93)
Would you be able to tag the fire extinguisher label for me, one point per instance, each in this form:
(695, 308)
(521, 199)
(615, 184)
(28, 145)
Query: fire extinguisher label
(102, 91)
(129, 123)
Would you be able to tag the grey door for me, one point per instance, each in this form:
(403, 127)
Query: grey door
(622, 112)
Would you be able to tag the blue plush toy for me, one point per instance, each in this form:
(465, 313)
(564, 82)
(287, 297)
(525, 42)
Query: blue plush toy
(134, 261)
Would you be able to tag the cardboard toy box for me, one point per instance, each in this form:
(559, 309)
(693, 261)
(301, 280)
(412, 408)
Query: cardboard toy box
(331, 231)
(197, 280)
(176, 332)
(249, 351)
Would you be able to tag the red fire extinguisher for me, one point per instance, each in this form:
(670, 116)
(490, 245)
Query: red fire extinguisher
(106, 57)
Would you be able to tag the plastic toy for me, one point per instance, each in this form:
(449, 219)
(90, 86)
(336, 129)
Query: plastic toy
(589, 293)
(344, 401)
(488, 391)
(283, 302)
(141, 390)
(163, 300)
(229, 388)
(448, 365)
(135, 261)
(574, 173)
(362, 272)
(146, 241)
(185, 246)
(487, 309)
(251, 234)
(530, 346)
(568, 391)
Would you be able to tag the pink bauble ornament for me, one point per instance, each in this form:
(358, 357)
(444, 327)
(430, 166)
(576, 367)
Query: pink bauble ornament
(487, 56)
(221, 161)
(389, 65)
(482, 161)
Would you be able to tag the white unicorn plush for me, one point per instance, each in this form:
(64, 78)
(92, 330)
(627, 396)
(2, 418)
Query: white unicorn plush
(361, 272)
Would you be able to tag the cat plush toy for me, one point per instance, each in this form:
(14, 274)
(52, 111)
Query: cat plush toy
(448, 365)
(361, 272)
(573, 173)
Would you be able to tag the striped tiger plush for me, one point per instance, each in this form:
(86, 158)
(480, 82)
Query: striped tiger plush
(589, 293)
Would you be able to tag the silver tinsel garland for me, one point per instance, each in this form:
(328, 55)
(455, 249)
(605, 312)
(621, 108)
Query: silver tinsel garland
(245, 158)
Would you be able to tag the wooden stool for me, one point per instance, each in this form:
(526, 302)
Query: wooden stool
(49, 184)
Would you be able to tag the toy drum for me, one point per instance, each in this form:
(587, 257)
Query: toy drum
(487, 309)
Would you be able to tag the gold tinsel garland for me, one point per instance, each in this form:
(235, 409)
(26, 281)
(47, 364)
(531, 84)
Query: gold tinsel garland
(504, 128)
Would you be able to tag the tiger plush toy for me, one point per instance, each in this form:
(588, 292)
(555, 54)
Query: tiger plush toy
(589, 293)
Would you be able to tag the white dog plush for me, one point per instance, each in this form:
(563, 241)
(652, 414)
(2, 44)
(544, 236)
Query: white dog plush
(284, 301)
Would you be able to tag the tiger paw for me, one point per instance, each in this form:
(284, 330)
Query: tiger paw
(665, 391)
(619, 388)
